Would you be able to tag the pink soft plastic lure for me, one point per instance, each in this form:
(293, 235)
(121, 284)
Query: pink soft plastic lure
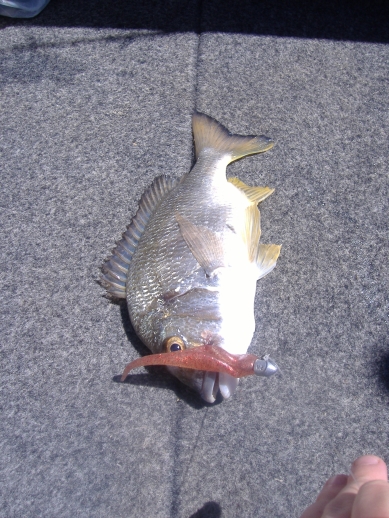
(209, 358)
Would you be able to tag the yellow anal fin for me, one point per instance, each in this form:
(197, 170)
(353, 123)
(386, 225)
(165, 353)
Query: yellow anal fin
(252, 231)
(204, 243)
(266, 259)
(254, 194)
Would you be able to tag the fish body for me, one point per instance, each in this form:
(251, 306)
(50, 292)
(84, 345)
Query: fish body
(189, 262)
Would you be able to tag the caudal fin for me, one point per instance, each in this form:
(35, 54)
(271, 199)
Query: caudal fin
(210, 134)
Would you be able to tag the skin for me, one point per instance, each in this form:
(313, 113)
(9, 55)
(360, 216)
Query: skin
(362, 494)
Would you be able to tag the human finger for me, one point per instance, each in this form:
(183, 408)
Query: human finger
(372, 500)
(364, 469)
(367, 468)
(330, 489)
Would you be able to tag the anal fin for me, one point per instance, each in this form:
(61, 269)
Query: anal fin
(254, 194)
(266, 259)
(252, 231)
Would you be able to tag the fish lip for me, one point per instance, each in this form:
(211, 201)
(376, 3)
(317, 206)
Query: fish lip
(211, 368)
(206, 383)
(210, 386)
(191, 378)
(223, 373)
(217, 382)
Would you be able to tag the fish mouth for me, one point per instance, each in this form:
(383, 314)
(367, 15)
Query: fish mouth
(222, 369)
(213, 382)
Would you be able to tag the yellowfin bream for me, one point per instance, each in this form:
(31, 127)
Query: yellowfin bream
(189, 262)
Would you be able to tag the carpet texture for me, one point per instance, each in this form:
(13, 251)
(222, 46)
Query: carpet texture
(95, 102)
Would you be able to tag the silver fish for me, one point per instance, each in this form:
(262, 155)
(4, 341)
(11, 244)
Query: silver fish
(189, 262)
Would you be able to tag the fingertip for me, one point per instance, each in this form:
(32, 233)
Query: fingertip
(368, 467)
(336, 482)
(367, 460)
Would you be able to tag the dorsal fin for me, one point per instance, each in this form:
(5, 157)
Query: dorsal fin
(115, 268)
(210, 134)
(254, 194)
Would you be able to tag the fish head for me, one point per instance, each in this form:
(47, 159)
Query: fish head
(192, 350)
(202, 381)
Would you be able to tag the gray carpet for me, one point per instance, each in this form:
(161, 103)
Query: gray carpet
(95, 102)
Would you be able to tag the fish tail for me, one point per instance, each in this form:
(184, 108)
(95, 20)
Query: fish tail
(210, 134)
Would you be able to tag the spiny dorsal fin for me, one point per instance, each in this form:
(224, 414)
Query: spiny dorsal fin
(210, 134)
(204, 243)
(266, 259)
(254, 194)
(114, 270)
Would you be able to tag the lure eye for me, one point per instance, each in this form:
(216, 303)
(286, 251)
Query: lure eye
(174, 344)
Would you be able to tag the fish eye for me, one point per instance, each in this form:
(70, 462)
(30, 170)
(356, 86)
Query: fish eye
(174, 344)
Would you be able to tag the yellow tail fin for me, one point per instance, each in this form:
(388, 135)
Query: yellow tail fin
(210, 134)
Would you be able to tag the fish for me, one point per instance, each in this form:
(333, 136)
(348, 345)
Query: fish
(189, 262)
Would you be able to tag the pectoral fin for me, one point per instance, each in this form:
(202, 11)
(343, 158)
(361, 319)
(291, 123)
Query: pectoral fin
(254, 194)
(266, 259)
(205, 245)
